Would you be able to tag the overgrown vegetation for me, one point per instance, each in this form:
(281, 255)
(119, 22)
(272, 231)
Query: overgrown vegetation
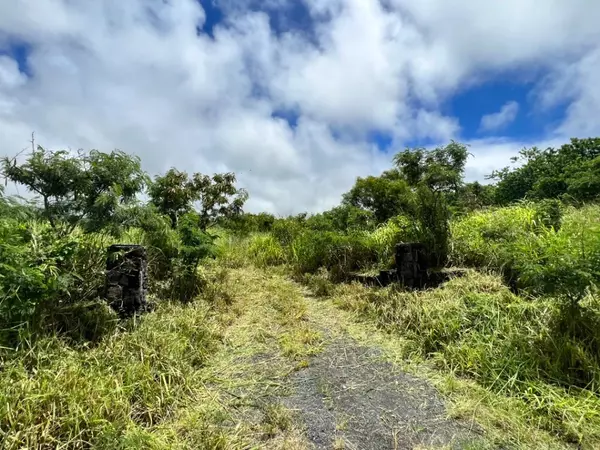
(523, 323)
(54, 251)
(537, 345)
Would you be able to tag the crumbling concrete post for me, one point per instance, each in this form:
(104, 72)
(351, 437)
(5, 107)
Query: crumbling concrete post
(127, 278)
(411, 264)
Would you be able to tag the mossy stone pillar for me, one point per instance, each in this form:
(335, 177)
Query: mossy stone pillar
(127, 278)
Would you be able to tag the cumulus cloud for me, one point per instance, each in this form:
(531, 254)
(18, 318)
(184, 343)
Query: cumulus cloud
(506, 115)
(139, 76)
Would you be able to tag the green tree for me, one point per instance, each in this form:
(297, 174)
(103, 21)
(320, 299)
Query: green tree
(86, 189)
(583, 180)
(173, 194)
(384, 196)
(568, 172)
(214, 198)
(472, 196)
(218, 197)
(436, 177)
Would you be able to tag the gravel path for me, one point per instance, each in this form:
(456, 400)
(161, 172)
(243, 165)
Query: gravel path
(348, 398)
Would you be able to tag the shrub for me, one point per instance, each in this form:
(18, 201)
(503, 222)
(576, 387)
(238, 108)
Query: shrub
(548, 214)
(264, 250)
(383, 240)
(286, 230)
(563, 262)
(336, 252)
(43, 271)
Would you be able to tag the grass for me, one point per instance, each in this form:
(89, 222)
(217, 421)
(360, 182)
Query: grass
(202, 375)
(542, 260)
(209, 374)
(528, 368)
(484, 348)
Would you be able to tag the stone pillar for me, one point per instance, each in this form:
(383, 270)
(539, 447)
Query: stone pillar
(127, 278)
(411, 264)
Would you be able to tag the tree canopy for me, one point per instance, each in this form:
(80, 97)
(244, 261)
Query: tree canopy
(570, 172)
(84, 189)
(176, 193)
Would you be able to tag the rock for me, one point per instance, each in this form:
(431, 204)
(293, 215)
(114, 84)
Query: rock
(127, 279)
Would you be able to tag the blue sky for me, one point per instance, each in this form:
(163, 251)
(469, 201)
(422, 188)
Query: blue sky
(298, 97)
(468, 104)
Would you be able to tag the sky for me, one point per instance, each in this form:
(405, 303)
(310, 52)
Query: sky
(297, 97)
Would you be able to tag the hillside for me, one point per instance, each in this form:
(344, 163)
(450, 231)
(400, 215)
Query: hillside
(251, 331)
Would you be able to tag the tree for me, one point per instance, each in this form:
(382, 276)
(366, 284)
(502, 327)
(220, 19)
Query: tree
(440, 170)
(567, 172)
(385, 196)
(176, 193)
(475, 195)
(173, 194)
(583, 181)
(218, 197)
(84, 189)
(436, 177)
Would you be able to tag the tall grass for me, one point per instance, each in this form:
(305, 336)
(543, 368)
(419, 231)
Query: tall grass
(540, 259)
(385, 237)
(475, 327)
(115, 394)
(306, 251)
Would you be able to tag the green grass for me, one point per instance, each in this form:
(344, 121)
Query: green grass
(537, 258)
(475, 329)
(114, 394)
(532, 360)
(184, 376)
(204, 375)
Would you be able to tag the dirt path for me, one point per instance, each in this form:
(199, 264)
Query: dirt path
(294, 377)
(351, 397)
(348, 398)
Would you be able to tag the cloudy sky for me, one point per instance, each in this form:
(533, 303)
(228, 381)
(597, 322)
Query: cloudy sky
(298, 97)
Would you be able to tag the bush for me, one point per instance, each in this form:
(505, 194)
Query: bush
(286, 230)
(264, 250)
(383, 240)
(336, 252)
(44, 272)
(563, 262)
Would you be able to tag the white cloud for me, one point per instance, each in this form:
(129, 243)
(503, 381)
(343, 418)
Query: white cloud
(496, 121)
(135, 75)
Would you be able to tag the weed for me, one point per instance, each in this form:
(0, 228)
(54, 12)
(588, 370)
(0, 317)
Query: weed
(475, 327)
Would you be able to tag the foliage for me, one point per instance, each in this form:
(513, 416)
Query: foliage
(43, 272)
(384, 197)
(342, 218)
(473, 196)
(534, 253)
(264, 250)
(548, 214)
(85, 189)
(336, 252)
(570, 172)
(196, 244)
(383, 240)
(175, 193)
(246, 223)
(436, 177)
